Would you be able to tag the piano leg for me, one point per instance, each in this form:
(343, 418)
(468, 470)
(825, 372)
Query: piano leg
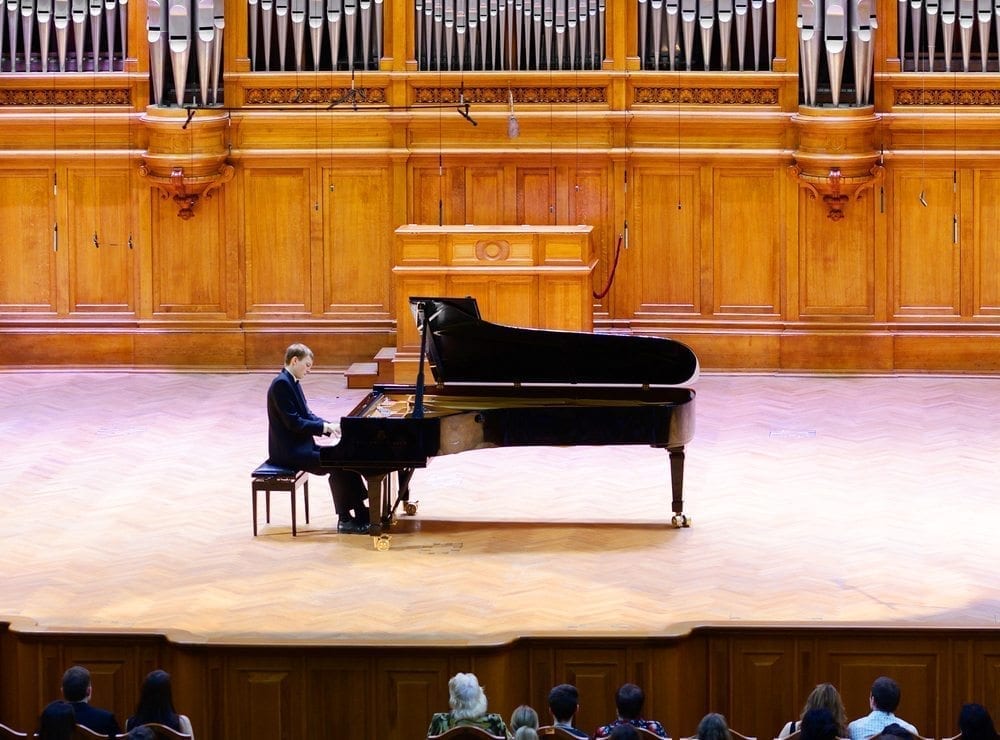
(403, 495)
(679, 518)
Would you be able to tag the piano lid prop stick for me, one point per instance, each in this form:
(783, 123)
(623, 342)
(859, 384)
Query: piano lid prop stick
(418, 400)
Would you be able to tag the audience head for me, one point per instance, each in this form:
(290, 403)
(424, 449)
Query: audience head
(713, 727)
(819, 724)
(624, 732)
(885, 694)
(564, 700)
(466, 696)
(975, 723)
(57, 721)
(156, 703)
(629, 701)
(895, 731)
(525, 733)
(826, 696)
(524, 716)
(76, 684)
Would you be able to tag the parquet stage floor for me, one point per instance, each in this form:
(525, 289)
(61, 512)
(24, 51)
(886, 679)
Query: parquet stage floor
(125, 506)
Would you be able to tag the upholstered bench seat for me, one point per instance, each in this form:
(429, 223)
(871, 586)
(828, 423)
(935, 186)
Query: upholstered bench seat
(267, 477)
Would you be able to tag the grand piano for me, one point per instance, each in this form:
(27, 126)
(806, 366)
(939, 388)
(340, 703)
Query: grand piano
(504, 386)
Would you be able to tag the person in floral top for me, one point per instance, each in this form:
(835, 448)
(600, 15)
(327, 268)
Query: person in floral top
(629, 701)
(468, 707)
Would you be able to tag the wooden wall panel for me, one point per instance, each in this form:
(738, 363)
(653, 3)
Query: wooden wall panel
(27, 259)
(98, 231)
(746, 237)
(837, 260)
(438, 195)
(926, 259)
(409, 691)
(340, 695)
(986, 301)
(276, 234)
(485, 192)
(536, 196)
(764, 671)
(189, 269)
(503, 299)
(358, 245)
(597, 673)
(262, 702)
(663, 265)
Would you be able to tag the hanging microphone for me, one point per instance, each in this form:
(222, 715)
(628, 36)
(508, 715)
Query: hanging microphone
(513, 127)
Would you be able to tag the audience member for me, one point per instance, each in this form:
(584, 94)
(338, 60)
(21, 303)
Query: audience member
(624, 732)
(824, 696)
(77, 690)
(523, 716)
(468, 707)
(975, 723)
(819, 724)
(895, 731)
(141, 733)
(156, 704)
(884, 700)
(564, 702)
(629, 700)
(526, 733)
(56, 721)
(713, 727)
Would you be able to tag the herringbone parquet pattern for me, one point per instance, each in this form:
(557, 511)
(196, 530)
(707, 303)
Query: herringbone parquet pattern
(126, 504)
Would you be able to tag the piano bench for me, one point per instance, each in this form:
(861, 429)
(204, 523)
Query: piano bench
(267, 477)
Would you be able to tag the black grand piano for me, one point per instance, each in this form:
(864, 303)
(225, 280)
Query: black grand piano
(504, 386)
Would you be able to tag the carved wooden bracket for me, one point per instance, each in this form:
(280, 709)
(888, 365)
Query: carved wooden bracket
(188, 153)
(834, 189)
(187, 191)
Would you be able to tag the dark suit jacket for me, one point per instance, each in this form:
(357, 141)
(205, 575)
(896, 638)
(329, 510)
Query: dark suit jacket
(291, 425)
(98, 720)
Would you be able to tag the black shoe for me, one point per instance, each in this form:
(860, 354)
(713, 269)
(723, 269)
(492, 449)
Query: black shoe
(349, 526)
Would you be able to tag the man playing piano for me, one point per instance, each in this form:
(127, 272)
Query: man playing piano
(291, 444)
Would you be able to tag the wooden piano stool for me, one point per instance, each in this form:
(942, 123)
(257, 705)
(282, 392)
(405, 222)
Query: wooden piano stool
(267, 477)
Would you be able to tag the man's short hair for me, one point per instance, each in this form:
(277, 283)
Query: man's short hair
(297, 350)
(885, 693)
(563, 701)
(629, 700)
(75, 682)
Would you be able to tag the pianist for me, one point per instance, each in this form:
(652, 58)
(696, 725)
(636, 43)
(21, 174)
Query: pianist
(291, 444)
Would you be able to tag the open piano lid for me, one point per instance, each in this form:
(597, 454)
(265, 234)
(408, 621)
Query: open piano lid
(463, 348)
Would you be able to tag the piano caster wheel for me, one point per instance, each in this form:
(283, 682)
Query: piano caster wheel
(410, 507)
(382, 543)
(680, 520)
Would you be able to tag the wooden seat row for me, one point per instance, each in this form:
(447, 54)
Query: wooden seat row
(162, 732)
